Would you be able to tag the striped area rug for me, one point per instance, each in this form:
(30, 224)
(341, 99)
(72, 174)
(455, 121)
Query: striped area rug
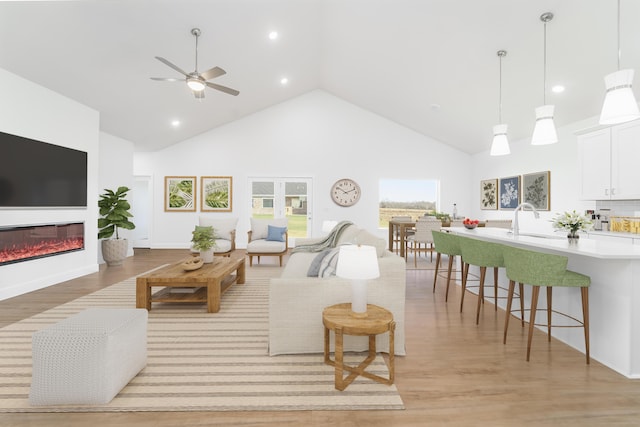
(199, 361)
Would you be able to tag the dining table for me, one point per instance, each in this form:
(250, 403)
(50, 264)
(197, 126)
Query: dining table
(400, 226)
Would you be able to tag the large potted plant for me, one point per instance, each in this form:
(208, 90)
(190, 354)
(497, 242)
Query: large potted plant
(203, 241)
(114, 214)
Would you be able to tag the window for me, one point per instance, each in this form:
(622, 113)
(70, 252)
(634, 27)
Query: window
(413, 197)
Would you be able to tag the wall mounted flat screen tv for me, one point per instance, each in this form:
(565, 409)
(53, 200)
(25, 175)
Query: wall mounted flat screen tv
(35, 174)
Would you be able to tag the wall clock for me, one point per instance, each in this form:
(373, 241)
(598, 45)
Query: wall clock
(345, 192)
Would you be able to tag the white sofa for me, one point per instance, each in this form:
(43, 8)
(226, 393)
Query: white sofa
(296, 301)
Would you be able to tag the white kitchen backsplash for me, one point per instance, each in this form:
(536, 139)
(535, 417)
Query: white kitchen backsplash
(620, 207)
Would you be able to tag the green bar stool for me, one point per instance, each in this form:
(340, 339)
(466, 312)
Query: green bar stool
(541, 269)
(483, 254)
(448, 244)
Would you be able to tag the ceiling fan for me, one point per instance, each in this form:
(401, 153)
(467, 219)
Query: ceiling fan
(197, 81)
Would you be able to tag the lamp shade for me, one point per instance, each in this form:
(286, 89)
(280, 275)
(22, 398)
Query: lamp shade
(620, 105)
(358, 262)
(500, 144)
(544, 131)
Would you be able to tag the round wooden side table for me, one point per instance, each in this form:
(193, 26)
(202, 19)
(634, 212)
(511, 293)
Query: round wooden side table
(338, 318)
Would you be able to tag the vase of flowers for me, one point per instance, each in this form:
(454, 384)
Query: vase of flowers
(572, 222)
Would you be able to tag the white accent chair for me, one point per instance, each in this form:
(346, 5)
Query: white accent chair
(224, 230)
(262, 243)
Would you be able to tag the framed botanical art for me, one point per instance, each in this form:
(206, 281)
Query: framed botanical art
(180, 193)
(535, 190)
(509, 192)
(216, 193)
(489, 194)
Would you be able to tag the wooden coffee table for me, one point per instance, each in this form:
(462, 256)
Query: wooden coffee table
(206, 284)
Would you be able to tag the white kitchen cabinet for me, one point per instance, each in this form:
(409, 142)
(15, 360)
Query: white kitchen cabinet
(609, 167)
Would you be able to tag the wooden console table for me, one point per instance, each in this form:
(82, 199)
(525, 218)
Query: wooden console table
(338, 318)
(209, 283)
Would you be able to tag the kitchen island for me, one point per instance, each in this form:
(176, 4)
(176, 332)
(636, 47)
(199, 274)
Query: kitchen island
(614, 295)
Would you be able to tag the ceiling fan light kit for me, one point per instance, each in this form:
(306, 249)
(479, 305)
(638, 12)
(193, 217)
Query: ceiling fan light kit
(196, 81)
(620, 104)
(500, 144)
(544, 131)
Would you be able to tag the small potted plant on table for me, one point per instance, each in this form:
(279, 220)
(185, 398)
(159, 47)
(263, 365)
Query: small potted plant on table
(203, 241)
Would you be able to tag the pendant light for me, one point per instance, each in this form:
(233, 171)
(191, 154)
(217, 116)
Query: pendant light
(544, 131)
(620, 105)
(500, 144)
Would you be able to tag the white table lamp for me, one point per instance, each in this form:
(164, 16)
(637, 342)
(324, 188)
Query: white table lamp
(359, 264)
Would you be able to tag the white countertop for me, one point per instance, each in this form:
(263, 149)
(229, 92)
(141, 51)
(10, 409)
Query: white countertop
(555, 242)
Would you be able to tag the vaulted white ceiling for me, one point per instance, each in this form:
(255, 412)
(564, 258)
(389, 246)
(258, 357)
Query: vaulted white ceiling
(430, 65)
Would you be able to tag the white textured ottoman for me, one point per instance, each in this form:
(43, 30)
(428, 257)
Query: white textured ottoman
(88, 358)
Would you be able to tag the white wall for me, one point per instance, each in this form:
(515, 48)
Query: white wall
(561, 159)
(32, 111)
(315, 135)
(116, 170)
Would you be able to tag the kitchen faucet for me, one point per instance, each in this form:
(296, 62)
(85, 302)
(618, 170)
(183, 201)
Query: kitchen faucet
(516, 227)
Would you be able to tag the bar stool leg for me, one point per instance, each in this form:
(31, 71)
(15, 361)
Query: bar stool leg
(465, 273)
(483, 272)
(521, 288)
(549, 311)
(532, 319)
(446, 295)
(585, 320)
(435, 275)
(512, 285)
(495, 288)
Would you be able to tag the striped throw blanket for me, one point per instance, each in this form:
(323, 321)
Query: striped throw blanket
(328, 242)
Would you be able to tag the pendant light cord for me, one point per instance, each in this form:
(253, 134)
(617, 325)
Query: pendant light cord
(500, 55)
(618, 35)
(544, 68)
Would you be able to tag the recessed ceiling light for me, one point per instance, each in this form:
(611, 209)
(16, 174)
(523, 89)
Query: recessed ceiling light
(175, 123)
(557, 89)
(273, 35)
(284, 81)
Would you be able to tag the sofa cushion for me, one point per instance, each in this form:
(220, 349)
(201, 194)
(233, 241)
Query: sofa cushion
(365, 238)
(222, 227)
(266, 246)
(348, 234)
(259, 226)
(329, 263)
(276, 234)
(314, 267)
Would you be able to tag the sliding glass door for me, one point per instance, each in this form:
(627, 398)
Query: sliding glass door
(283, 197)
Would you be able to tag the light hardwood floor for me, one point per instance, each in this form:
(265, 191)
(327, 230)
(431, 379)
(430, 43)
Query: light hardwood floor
(455, 373)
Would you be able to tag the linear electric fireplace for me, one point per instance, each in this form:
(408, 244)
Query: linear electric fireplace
(23, 243)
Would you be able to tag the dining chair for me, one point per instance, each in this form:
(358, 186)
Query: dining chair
(422, 236)
(538, 270)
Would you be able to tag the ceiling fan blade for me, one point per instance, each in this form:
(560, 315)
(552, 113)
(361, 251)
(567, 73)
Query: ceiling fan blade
(213, 73)
(169, 64)
(223, 88)
(167, 79)
(199, 94)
